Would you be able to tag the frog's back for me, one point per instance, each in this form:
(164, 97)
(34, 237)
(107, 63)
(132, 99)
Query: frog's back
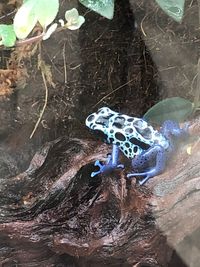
(132, 135)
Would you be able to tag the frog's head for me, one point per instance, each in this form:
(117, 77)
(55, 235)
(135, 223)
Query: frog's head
(100, 121)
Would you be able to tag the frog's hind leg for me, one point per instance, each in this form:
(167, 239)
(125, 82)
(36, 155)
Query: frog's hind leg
(172, 128)
(156, 153)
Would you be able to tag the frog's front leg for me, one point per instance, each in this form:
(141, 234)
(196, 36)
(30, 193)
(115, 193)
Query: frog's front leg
(111, 163)
(157, 153)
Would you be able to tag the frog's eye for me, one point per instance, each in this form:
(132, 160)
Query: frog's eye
(102, 121)
(90, 118)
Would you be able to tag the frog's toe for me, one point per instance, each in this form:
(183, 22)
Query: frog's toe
(95, 173)
(147, 175)
(106, 168)
(136, 174)
(98, 163)
(143, 181)
(120, 166)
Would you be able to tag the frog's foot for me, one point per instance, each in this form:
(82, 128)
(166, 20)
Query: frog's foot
(149, 174)
(105, 168)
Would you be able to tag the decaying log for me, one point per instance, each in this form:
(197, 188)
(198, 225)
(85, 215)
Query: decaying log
(55, 209)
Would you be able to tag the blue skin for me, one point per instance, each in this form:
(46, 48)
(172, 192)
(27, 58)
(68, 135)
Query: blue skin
(157, 153)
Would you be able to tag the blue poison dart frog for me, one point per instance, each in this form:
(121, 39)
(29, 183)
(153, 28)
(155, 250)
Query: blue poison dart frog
(148, 148)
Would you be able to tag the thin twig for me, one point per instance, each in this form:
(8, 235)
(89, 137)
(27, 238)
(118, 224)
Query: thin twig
(44, 107)
(9, 14)
(121, 86)
(141, 26)
(65, 67)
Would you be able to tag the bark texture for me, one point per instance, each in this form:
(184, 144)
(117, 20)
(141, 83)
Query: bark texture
(55, 208)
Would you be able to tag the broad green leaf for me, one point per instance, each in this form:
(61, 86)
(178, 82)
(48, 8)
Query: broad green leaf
(103, 7)
(74, 21)
(46, 11)
(72, 15)
(7, 35)
(175, 108)
(32, 11)
(173, 8)
(25, 19)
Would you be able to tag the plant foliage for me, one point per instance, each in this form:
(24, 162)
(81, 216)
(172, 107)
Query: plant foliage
(33, 11)
(38, 11)
(7, 35)
(74, 21)
(173, 8)
(103, 7)
(175, 108)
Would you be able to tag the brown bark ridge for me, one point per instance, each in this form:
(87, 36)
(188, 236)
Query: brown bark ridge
(55, 209)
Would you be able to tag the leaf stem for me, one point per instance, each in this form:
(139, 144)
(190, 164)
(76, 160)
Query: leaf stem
(32, 39)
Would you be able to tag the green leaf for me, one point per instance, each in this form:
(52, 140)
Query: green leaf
(175, 108)
(103, 7)
(173, 8)
(25, 19)
(7, 35)
(74, 21)
(32, 11)
(46, 11)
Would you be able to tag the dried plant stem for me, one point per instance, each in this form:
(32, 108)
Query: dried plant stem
(44, 106)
